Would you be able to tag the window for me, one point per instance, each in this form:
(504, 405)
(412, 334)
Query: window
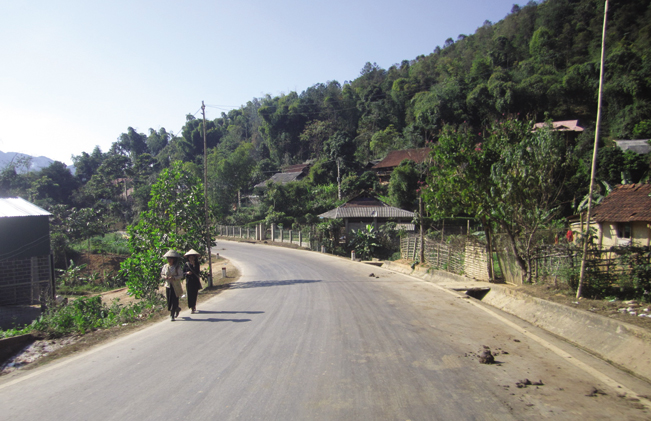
(624, 230)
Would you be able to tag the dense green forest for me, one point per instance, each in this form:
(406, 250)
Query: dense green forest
(540, 63)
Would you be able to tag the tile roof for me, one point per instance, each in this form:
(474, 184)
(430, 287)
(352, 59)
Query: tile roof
(394, 158)
(626, 203)
(16, 206)
(562, 126)
(366, 207)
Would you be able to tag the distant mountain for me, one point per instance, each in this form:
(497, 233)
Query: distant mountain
(37, 163)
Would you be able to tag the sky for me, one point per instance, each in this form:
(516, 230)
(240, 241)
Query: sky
(77, 74)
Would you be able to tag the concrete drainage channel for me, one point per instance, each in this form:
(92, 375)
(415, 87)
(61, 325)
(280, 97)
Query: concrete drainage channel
(621, 344)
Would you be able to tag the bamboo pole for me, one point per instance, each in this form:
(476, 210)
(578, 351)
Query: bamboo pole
(586, 233)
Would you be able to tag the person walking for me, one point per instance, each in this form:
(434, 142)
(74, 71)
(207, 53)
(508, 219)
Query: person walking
(172, 274)
(192, 269)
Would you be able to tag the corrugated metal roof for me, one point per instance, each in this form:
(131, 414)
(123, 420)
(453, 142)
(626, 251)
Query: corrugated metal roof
(367, 212)
(626, 203)
(640, 146)
(405, 226)
(16, 206)
(366, 207)
(282, 178)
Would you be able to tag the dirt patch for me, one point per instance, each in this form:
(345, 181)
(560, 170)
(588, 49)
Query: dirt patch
(630, 311)
(102, 264)
(43, 351)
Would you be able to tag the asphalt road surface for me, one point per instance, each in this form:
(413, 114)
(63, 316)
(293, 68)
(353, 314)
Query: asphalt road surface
(308, 336)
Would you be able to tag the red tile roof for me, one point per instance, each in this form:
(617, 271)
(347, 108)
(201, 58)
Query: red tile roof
(394, 158)
(626, 203)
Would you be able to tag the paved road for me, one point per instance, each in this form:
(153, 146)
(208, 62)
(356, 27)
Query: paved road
(306, 336)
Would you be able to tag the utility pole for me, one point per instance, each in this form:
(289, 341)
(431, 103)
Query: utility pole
(422, 238)
(338, 179)
(586, 234)
(205, 194)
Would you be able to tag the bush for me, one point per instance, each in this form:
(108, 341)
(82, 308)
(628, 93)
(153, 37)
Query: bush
(84, 315)
(637, 264)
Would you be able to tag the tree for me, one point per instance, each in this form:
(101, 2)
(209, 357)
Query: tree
(228, 176)
(61, 183)
(13, 180)
(174, 220)
(615, 166)
(527, 182)
(403, 185)
(156, 141)
(86, 165)
(386, 140)
(510, 177)
(131, 143)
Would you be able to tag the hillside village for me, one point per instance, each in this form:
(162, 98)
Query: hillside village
(490, 136)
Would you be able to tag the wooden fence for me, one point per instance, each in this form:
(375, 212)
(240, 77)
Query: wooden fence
(463, 256)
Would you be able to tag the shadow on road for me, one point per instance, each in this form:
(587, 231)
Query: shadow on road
(229, 312)
(189, 319)
(260, 284)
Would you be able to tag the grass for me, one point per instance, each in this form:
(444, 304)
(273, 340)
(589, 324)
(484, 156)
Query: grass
(113, 243)
(87, 314)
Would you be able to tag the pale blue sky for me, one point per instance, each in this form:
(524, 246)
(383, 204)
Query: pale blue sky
(76, 74)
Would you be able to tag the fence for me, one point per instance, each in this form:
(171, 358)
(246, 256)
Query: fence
(301, 238)
(25, 281)
(462, 255)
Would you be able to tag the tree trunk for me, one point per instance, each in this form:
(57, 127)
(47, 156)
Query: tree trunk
(489, 250)
(518, 259)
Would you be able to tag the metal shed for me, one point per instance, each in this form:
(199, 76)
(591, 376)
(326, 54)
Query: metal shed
(26, 265)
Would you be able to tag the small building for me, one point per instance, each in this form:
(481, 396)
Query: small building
(364, 210)
(562, 126)
(385, 167)
(640, 146)
(26, 264)
(571, 129)
(624, 216)
(288, 174)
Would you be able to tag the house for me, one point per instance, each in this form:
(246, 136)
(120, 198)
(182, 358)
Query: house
(562, 126)
(364, 210)
(394, 158)
(640, 146)
(624, 216)
(571, 128)
(25, 260)
(288, 174)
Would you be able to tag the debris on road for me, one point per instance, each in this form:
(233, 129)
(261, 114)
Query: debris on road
(486, 356)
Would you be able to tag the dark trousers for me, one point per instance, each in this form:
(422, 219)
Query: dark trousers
(193, 291)
(172, 299)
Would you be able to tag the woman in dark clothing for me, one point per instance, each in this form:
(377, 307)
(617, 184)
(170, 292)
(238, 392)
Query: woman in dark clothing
(192, 282)
(172, 275)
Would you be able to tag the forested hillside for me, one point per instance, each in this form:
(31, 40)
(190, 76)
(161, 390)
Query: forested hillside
(540, 63)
